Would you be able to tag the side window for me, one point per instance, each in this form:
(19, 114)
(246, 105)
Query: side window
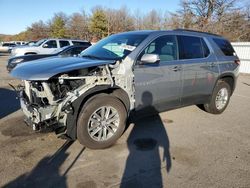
(63, 43)
(50, 44)
(190, 47)
(164, 46)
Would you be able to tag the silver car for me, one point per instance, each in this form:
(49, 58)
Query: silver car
(7, 47)
(45, 46)
(91, 97)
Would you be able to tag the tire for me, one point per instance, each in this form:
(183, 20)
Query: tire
(91, 119)
(214, 107)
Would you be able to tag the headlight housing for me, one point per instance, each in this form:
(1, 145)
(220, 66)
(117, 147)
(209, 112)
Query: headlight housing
(18, 60)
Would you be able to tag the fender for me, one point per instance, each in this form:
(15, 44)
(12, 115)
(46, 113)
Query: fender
(228, 75)
(71, 122)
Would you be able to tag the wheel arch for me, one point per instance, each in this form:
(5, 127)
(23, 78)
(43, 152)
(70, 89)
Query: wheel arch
(30, 53)
(229, 78)
(79, 103)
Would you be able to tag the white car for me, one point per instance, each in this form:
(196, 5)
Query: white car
(7, 47)
(45, 46)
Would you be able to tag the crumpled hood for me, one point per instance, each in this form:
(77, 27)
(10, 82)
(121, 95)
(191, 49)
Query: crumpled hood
(46, 68)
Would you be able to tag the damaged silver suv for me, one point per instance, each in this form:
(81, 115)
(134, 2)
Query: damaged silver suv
(91, 97)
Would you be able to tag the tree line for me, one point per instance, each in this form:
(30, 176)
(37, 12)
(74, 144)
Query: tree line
(223, 17)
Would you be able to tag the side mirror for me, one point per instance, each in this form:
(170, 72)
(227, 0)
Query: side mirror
(45, 46)
(150, 58)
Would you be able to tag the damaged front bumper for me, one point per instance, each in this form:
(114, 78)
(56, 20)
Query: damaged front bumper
(40, 111)
(40, 118)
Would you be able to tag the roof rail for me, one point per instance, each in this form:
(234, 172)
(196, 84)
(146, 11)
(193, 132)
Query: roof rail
(190, 30)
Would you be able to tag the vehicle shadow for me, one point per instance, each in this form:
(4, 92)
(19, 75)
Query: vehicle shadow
(147, 138)
(4, 54)
(8, 101)
(46, 172)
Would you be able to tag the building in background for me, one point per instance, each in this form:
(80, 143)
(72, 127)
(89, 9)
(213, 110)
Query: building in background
(242, 49)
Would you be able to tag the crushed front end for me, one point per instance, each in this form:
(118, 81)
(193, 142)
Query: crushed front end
(47, 104)
(42, 106)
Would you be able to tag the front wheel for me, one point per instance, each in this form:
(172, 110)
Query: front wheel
(220, 98)
(101, 121)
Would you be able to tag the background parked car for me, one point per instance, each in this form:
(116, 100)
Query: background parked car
(46, 46)
(64, 52)
(7, 47)
(31, 43)
(19, 42)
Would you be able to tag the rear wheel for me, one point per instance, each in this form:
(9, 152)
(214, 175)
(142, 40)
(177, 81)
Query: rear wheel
(101, 121)
(220, 98)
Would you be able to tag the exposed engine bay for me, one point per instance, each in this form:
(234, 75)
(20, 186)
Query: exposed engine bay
(46, 104)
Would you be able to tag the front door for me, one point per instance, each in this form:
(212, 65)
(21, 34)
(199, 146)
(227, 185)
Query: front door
(49, 47)
(158, 86)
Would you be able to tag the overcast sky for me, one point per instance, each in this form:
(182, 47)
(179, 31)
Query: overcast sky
(17, 15)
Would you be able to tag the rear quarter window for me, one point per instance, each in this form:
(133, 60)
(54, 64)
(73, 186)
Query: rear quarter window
(224, 46)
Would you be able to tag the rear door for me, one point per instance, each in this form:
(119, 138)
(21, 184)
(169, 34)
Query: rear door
(158, 86)
(199, 69)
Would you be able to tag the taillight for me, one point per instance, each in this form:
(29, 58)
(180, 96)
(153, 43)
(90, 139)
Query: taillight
(237, 61)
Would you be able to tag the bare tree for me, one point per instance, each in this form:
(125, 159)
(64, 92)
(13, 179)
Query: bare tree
(77, 26)
(138, 19)
(119, 20)
(37, 31)
(223, 17)
(152, 20)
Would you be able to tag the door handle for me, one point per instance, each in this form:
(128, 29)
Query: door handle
(176, 68)
(212, 65)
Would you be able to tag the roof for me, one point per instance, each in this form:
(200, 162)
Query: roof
(174, 31)
(65, 39)
(194, 31)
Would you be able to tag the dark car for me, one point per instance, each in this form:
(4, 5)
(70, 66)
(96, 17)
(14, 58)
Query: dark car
(93, 96)
(65, 51)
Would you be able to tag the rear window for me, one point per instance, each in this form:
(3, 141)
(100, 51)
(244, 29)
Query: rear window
(80, 43)
(192, 47)
(225, 46)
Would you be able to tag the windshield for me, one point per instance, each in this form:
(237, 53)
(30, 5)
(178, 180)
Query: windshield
(38, 43)
(114, 47)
